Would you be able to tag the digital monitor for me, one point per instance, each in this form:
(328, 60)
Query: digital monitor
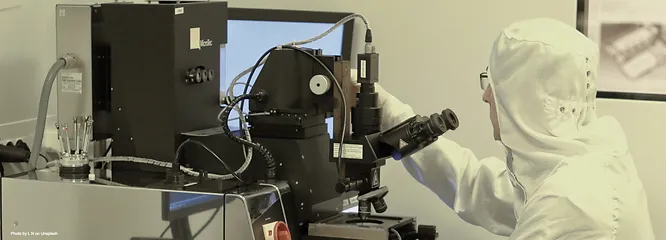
(251, 32)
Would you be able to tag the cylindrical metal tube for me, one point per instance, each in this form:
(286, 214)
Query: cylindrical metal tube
(380, 205)
(364, 209)
(77, 132)
(67, 140)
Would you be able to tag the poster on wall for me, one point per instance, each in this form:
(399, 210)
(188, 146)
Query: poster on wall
(631, 35)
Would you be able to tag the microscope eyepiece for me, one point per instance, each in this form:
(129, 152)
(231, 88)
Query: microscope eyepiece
(418, 132)
(440, 123)
(436, 124)
(450, 119)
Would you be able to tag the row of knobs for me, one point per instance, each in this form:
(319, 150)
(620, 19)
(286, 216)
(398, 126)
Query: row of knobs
(199, 75)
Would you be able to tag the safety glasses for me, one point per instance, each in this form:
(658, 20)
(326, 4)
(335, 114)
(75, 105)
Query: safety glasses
(483, 79)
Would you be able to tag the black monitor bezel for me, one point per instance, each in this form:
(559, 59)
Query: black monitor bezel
(282, 15)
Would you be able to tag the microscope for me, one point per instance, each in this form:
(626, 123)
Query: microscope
(149, 84)
(296, 90)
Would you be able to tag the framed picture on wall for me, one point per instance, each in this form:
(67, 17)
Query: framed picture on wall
(631, 35)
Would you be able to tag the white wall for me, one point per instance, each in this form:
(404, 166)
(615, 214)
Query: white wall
(431, 55)
(27, 49)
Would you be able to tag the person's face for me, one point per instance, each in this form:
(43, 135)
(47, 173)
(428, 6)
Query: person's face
(489, 98)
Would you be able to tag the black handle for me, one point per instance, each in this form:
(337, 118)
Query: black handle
(12, 154)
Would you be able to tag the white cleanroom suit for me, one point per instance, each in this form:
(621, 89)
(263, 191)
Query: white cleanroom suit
(568, 173)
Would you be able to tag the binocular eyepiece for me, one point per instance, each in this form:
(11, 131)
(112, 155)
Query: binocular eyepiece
(440, 123)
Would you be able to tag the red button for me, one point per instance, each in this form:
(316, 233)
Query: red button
(282, 231)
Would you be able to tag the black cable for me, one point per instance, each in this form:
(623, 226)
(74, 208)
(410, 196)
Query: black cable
(224, 164)
(206, 224)
(108, 149)
(342, 95)
(337, 84)
(165, 230)
(270, 162)
(224, 217)
(106, 154)
(44, 157)
(249, 78)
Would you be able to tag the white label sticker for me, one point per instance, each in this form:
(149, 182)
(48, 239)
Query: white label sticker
(349, 151)
(71, 82)
(179, 11)
(362, 68)
(353, 200)
(195, 38)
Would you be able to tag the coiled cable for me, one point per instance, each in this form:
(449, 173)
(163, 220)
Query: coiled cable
(188, 171)
(270, 162)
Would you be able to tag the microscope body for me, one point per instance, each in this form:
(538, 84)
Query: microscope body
(290, 123)
(361, 172)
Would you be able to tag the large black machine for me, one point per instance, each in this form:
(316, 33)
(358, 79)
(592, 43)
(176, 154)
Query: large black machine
(156, 87)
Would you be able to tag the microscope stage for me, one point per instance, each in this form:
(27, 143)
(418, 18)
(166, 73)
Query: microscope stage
(350, 226)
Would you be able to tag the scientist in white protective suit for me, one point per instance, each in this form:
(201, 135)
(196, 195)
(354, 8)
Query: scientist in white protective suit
(568, 173)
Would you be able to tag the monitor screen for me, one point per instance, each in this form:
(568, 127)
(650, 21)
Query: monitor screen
(177, 205)
(178, 200)
(249, 39)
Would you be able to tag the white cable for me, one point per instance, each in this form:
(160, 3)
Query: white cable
(188, 171)
(247, 152)
(230, 90)
(109, 183)
(337, 24)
